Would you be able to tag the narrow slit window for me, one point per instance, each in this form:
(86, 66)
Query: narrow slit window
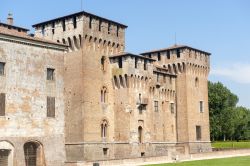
(136, 62)
(201, 107)
(75, 22)
(156, 106)
(53, 28)
(90, 22)
(120, 62)
(2, 104)
(198, 133)
(64, 25)
(51, 107)
(145, 64)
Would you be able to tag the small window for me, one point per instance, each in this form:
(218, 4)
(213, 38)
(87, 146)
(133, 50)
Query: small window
(75, 22)
(149, 55)
(90, 22)
(159, 56)
(51, 107)
(201, 107)
(109, 28)
(120, 62)
(100, 25)
(2, 104)
(140, 132)
(156, 106)
(2, 65)
(50, 74)
(172, 108)
(43, 30)
(145, 64)
(53, 28)
(64, 25)
(104, 63)
(196, 82)
(136, 62)
(117, 31)
(178, 53)
(157, 77)
(198, 133)
(105, 151)
(168, 54)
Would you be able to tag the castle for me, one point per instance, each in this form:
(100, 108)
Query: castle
(70, 93)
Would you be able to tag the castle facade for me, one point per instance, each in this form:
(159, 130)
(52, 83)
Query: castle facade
(71, 93)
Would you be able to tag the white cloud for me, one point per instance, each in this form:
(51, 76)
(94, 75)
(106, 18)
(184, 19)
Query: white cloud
(237, 72)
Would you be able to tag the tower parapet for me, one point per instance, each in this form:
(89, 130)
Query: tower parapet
(73, 29)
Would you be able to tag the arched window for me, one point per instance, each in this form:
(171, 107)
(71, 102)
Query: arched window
(33, 154)
(121, 81)
(104, 96)
(140, 130)
(104, 129)
(116, 82)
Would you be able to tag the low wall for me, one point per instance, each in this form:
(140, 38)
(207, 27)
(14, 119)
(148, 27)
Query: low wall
(166, 159)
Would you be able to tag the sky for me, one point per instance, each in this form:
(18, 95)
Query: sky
(221, 27)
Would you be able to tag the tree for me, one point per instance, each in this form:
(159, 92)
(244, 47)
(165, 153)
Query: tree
(222, 103)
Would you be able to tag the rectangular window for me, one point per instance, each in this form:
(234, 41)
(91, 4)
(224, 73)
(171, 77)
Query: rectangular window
(43, 30)
(2, 65)
(168, 54)
(178, 53)
(198, 133)
(159, 56)
(105, 151)
(53, 28)
(201, 106)
(50, 74)
(74, 22)
(172, 108)
(136, 62)
(64, 25)
(145, 64)
(2, 104)
(157, 77)
(100, 25)
(90, 22)
(117, 31)
(156, 106)
(51, 107)
(109, 28)
(120, 62)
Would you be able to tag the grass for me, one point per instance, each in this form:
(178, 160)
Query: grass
(234, 161)
(231, 144)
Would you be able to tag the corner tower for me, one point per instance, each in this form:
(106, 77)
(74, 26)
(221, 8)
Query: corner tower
(192, 68)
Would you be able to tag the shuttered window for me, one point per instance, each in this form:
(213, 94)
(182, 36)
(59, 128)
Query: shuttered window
(2, 104)
(51, 107)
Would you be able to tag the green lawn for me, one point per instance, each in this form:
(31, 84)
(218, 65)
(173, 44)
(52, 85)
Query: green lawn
(228, 144)
(234, 161)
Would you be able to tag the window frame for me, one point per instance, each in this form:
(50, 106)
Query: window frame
(51, 107)
(156, 106)
(3, 68)
(198, 132)
(50, 77)
(201, 106)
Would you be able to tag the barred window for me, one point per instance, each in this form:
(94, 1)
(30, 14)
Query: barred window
(201, 106)
(51, 107)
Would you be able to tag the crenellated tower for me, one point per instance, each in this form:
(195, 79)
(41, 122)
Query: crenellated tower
(192, 68)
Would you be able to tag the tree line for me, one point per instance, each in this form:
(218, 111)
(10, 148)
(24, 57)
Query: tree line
(227, 120)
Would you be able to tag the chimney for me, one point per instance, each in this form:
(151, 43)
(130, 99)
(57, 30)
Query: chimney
(10, 20)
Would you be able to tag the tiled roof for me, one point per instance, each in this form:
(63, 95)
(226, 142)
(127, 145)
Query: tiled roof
(130, 54)
(77, 14)
(25, 36)
(173, 48)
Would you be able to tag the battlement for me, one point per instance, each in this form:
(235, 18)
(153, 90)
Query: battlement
(74, 28)
(180, 58)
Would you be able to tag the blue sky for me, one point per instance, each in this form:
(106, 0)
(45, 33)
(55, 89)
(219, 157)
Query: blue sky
(221, 27)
